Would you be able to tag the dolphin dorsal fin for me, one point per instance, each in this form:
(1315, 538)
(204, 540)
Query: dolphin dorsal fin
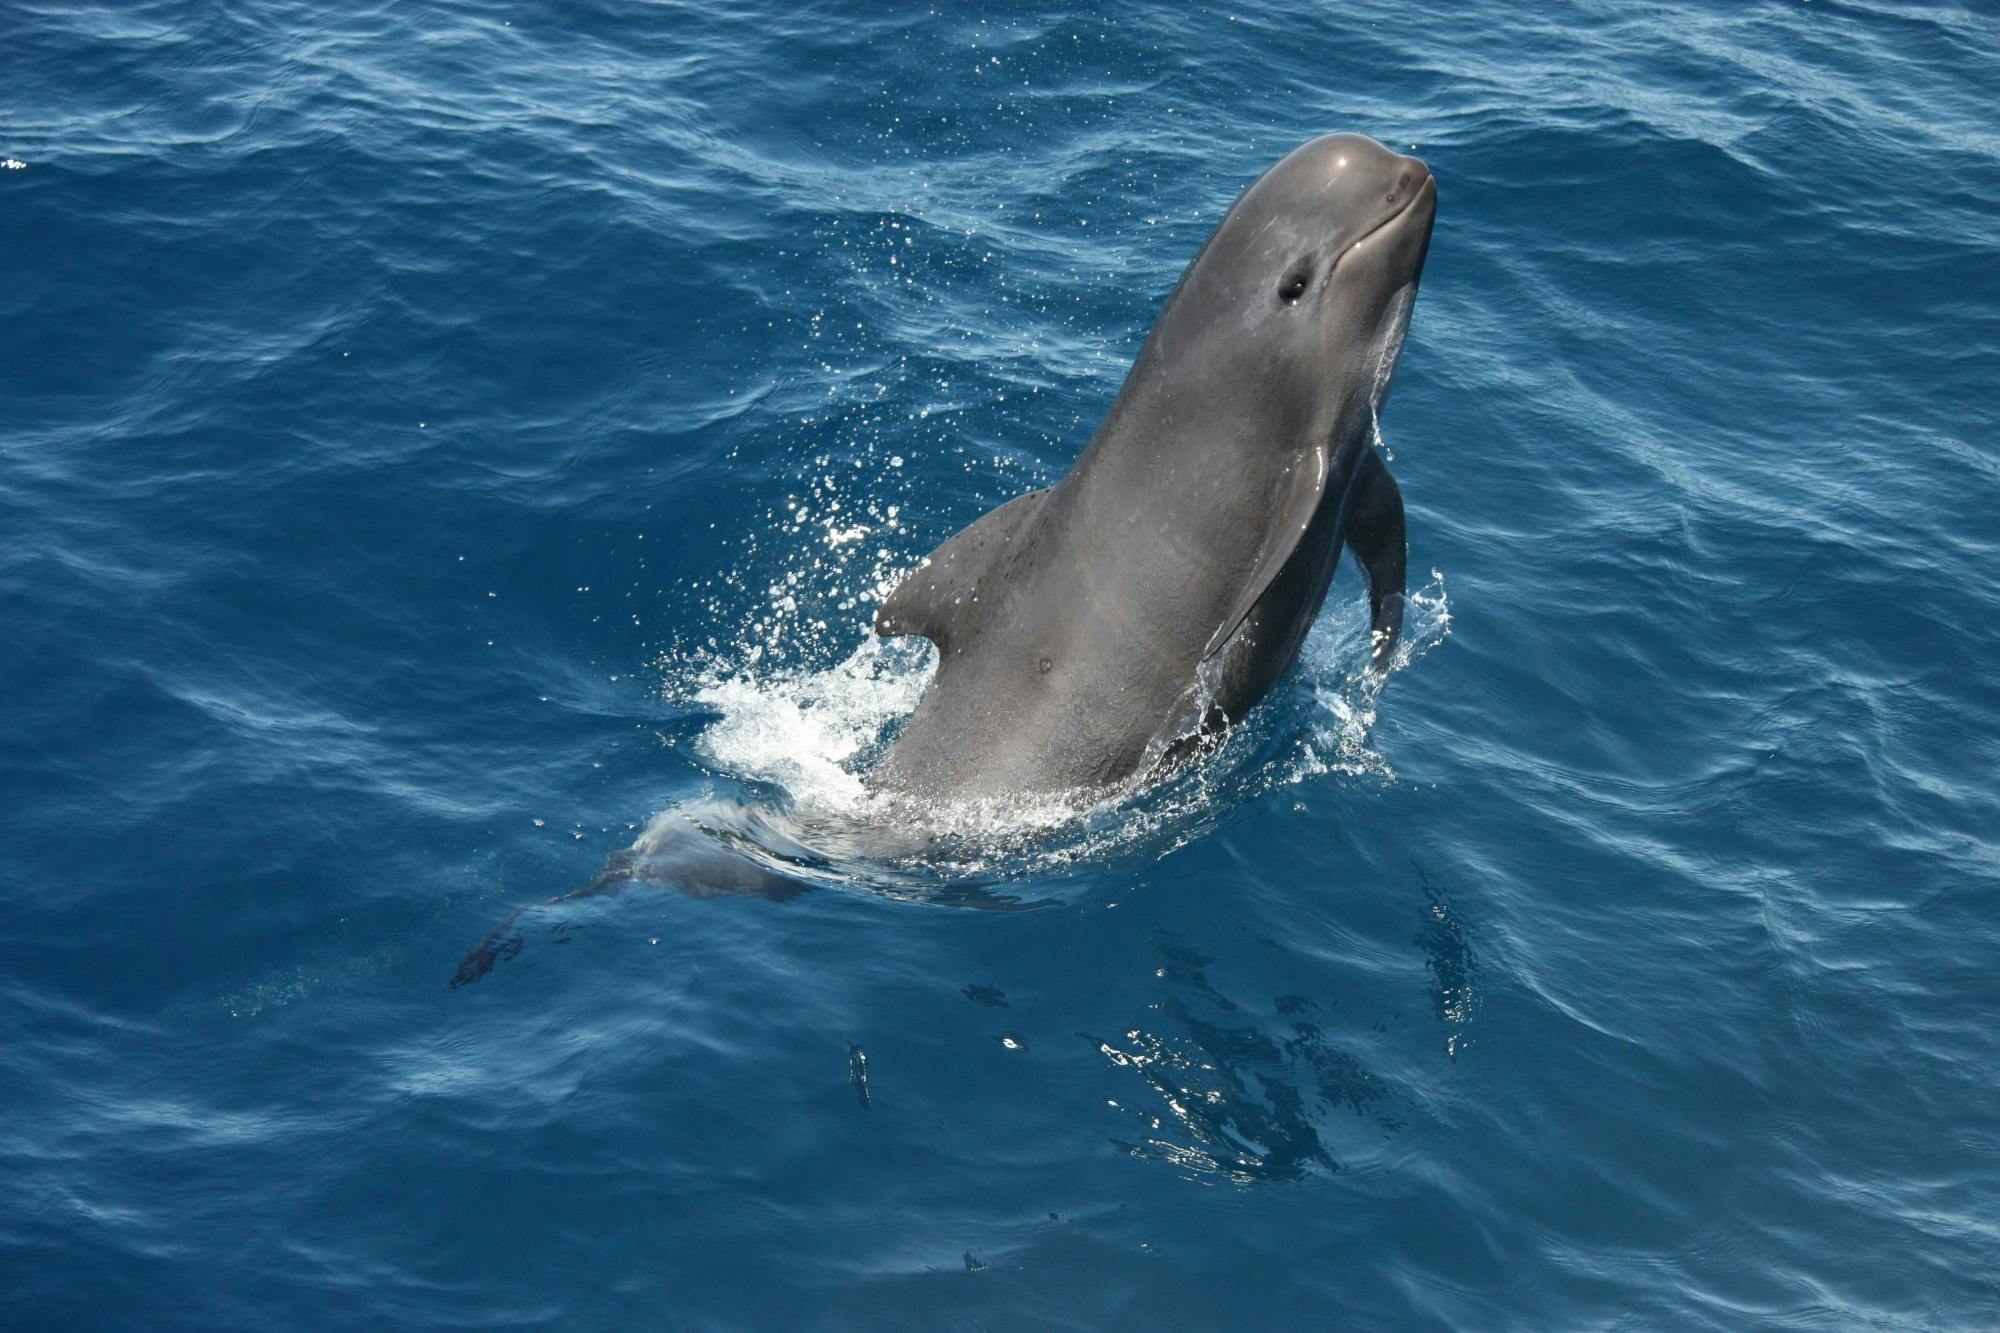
(940, 596)
(1304, 488)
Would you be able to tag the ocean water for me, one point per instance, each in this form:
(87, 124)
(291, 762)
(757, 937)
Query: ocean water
(444, 444)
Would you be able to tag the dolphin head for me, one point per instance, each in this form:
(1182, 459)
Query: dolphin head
(1302, 293)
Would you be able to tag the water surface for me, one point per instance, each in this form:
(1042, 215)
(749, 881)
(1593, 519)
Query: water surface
(439, 442)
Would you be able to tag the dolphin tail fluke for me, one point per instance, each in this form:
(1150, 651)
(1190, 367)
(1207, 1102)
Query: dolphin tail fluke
(507, 939)
(501, 943)
(1375, 535)
(674, 854)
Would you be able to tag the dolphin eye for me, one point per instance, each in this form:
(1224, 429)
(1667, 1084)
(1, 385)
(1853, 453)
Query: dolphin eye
(1295, 284)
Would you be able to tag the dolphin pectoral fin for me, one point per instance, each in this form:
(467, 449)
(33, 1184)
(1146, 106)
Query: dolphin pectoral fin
(1375, 534)
(941, 594)
(1305, 485)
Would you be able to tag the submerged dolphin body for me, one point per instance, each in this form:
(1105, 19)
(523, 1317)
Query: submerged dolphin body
(1163, 586)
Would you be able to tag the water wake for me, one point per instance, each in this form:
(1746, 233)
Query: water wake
(796, 741)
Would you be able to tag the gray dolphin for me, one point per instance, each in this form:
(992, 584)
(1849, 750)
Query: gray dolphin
(1087, 632)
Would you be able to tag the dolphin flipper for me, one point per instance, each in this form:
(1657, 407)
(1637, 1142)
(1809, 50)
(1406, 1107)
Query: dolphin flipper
(1305, 486)
(1375, 535)
(940, 595)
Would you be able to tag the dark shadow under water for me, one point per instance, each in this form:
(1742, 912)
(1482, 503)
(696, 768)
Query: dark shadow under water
(1238, 1101)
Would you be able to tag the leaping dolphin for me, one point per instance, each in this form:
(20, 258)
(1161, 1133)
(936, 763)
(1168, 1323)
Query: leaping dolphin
(1087, 632)
(1161, 588)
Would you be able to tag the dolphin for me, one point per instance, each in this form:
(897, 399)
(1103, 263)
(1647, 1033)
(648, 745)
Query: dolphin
(1094, 631)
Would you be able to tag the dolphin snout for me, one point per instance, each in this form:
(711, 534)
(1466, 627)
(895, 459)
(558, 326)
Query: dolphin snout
(1357, 160)
(1355, 181)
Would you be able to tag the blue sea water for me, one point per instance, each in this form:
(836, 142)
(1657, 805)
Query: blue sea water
(443, 443)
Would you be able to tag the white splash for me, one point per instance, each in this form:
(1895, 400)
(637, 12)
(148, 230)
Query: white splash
(806, 731)
(1343, 692)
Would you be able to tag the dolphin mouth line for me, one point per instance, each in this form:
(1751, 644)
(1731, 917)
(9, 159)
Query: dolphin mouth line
(1427, 189)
